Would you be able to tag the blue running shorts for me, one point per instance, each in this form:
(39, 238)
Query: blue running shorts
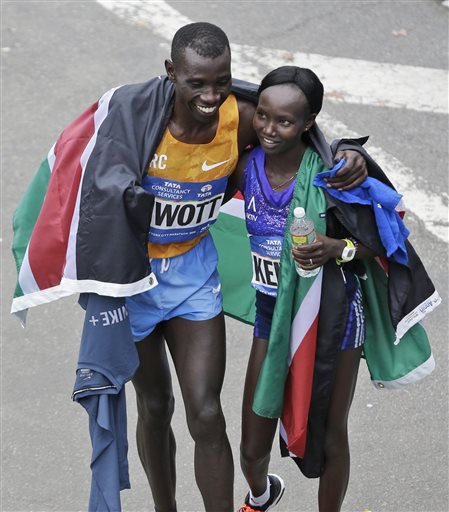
(264, 314)
(354, 335)
(189, 287)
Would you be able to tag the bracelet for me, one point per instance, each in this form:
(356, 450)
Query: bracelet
(355, 242)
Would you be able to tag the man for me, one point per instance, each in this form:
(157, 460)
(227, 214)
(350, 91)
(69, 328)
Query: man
(173, 141)
(206, 132)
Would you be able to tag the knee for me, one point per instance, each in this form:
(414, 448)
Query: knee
(207, 424)
(155, 411)
(251, 454)
(336, 442)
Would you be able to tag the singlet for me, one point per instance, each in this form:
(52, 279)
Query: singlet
(188, 182)
(266, 213)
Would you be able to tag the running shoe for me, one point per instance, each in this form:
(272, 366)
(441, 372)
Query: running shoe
(277, 489)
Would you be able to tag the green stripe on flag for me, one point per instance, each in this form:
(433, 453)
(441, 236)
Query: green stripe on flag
(26, 215)
(235, 267)
(386, 361)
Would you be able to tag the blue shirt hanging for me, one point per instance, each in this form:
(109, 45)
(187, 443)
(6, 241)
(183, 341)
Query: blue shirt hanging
(383, 200)
(108, 359)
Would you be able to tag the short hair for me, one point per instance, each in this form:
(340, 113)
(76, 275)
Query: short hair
(205, 39)
(303, 78)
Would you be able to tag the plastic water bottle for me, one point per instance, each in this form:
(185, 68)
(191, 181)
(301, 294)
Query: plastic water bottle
(302, 232)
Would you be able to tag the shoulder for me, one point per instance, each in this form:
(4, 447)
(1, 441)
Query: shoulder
(159, 90)
(246, 110)
(246, 132)
(239, 173)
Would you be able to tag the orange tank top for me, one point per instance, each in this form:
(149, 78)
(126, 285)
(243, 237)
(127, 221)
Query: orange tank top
(188, 182)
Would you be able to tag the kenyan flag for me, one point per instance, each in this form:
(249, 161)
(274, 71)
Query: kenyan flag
(82, 225)
(286, 387)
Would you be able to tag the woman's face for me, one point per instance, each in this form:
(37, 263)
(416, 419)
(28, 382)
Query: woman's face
(282, 115)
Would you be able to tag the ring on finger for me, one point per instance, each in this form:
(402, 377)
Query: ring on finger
(311, 261)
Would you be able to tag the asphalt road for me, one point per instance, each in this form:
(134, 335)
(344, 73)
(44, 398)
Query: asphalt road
(57, 58)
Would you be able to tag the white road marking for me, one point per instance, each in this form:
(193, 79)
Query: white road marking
(346, 80)
(432, 209)
(368, 83)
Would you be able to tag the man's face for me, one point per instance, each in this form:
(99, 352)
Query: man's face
(202, 84)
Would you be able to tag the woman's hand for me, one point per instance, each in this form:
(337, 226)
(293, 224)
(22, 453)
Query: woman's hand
(319, 252)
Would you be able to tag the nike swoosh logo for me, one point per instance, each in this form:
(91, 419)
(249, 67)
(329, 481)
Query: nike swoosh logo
(206, 167)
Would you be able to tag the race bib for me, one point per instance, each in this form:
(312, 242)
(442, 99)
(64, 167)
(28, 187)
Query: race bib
(265, 255)
(183, 210)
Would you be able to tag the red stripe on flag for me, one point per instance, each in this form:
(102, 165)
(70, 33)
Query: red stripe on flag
(298, 392)
(49, 240)
(383, 263)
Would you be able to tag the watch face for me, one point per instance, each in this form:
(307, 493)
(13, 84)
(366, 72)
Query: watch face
(348, 253)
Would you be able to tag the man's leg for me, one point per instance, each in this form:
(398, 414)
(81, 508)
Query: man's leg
(155, 404)
(198, 349)
(334, 480)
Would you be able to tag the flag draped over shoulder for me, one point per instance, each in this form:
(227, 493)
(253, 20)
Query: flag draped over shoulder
(82, 225)
(83, 222)
(288, 366)
(297, 374)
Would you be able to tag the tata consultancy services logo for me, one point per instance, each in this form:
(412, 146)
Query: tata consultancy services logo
(206, 188)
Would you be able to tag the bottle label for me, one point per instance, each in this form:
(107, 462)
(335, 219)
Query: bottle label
(305, 239)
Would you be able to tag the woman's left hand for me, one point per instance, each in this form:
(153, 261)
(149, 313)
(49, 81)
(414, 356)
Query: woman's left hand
(319, 252)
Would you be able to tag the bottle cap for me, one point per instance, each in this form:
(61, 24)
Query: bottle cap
(299, 212)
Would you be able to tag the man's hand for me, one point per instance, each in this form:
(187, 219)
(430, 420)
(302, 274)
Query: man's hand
(352, 174)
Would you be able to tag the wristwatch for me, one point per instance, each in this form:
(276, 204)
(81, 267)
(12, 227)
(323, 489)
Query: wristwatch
(348, 252)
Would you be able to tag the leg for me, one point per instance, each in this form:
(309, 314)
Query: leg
(257, 432)
(334, 480)
(198, 350)
(155, 405)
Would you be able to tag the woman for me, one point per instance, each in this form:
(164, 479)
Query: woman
(290, 98)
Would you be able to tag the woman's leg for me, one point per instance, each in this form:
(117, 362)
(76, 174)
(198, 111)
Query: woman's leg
(334, 480)
(257, 432)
